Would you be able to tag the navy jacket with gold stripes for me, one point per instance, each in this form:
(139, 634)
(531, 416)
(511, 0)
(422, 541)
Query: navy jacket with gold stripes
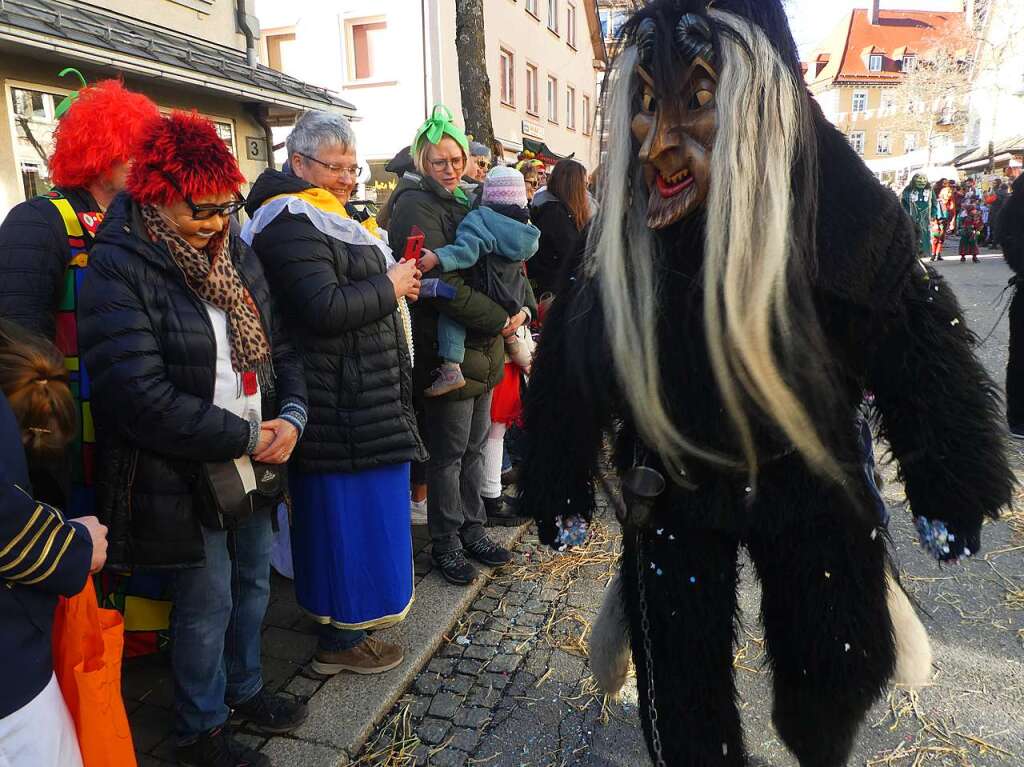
(41, 556)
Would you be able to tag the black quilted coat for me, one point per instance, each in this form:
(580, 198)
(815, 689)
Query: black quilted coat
(150, 350)
(34, 255)
(340, 309)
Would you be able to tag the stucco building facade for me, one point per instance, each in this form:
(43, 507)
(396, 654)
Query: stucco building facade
(394, 60)
(996, 132)
(855, 74)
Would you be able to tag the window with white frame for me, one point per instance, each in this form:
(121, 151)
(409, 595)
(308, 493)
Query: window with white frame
(553, 16)
(856, 139)
(860, 102)
(909, 62)
(611, 22)
(570, 23)
(531, 7)
(508, 78)
(888, 104)
(226, 131)
(949, 110)
(570, 107)
(883, 143)
(587, 127)
(875, 62)
(532, 89)
(909, 143)
(368, 52)
(36, 106)
(552, 99)
(281, 50)
(34, 123)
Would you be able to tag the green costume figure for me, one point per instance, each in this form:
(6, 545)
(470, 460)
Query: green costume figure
(921, 204)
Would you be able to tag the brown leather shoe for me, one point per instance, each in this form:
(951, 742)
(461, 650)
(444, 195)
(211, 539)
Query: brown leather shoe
(371, 656)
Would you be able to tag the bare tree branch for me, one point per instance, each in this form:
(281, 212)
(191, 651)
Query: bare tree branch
(934, 96)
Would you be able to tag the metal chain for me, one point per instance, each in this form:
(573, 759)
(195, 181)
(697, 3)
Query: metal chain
(645, 628)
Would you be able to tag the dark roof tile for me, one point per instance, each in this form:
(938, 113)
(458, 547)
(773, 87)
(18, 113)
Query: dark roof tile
(133, 38)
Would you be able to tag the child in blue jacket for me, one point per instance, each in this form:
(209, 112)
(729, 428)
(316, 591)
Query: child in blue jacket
(494, 241)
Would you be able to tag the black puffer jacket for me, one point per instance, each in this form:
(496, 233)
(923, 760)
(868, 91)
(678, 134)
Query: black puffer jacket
(561, 242)
(340, 309)
(34, 255)
(149, 345)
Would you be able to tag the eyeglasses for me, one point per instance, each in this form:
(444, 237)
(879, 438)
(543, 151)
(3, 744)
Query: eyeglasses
(457, 164)
(353, 170)
(206, 212)
(483, 164)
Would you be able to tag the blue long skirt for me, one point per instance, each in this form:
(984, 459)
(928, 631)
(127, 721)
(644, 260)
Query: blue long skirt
(352, 546)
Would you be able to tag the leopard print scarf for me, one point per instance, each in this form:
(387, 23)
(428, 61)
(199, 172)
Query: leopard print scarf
(211, 275)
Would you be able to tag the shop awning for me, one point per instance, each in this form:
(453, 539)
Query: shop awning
(541, 150)
(1001, 154)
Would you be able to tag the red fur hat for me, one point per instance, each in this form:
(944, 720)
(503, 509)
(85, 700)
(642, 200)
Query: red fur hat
(99, 130)
(182, 155)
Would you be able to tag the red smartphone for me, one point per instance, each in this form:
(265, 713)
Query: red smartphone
(413, 245)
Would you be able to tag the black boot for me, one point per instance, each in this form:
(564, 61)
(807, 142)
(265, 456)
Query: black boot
(274, 714)
(454, 567)
(218, 748)
(500, 513)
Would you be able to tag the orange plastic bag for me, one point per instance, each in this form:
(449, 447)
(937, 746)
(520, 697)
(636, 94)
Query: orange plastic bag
(87, 647)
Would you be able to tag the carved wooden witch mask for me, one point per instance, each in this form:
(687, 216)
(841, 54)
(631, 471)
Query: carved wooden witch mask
(676, 116)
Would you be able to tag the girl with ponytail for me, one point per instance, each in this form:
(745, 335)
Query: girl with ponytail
(35, 382)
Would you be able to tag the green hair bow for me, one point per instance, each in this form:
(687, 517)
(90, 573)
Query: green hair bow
(65, 105)
(437, 127)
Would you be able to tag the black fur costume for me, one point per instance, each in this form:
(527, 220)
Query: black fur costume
(1011, 236)
(888, 326)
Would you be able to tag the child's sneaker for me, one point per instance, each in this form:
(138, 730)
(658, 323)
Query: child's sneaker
(449, 378)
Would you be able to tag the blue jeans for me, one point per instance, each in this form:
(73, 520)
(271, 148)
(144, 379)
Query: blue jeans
(451, 339)
(334, 639)
(216, 626)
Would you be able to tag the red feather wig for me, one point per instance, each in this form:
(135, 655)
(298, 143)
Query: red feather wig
(100, 130)
(182, 155)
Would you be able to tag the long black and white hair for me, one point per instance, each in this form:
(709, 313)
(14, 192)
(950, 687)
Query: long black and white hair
(758, 235)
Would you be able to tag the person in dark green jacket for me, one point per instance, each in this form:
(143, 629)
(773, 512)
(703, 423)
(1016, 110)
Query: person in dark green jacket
(455, 425)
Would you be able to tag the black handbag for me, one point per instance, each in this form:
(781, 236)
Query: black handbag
(235, 489)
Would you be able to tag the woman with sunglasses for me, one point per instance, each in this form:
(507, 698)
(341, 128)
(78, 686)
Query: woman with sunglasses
(190, 367)
(479, 163)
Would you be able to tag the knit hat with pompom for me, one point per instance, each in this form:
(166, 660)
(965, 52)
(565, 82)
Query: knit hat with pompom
(504, 186)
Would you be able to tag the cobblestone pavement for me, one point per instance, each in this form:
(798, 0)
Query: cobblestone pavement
(511, 686)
